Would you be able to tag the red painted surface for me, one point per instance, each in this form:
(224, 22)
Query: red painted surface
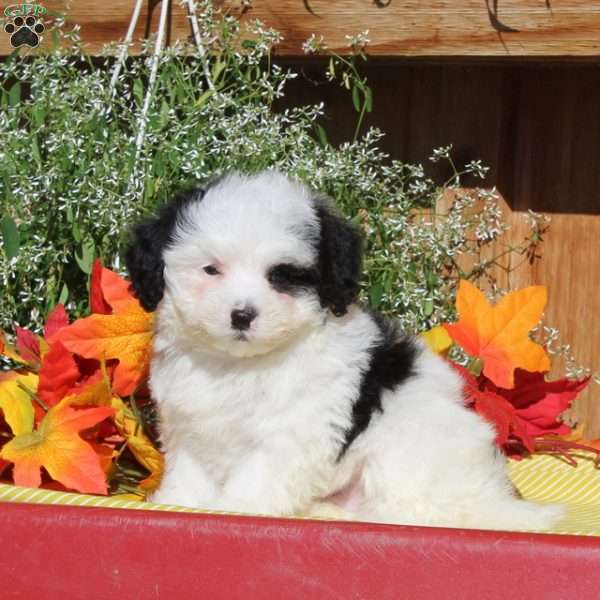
(51, 552)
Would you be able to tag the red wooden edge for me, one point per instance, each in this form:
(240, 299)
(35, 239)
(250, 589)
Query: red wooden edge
(76, 552)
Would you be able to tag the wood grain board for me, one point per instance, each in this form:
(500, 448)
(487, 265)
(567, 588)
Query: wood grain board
(440, 27)
(538, 128)
(518, 28)
(536, 124)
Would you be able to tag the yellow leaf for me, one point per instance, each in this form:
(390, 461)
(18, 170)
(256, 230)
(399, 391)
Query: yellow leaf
(96, 394)
(15, 401)
(57, 446)
(139, 444)
(437, 339)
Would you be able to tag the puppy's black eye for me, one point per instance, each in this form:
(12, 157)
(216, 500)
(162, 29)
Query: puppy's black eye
(288, 278)
(211, 270)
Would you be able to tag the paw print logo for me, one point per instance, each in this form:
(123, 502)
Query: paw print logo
(24, 31)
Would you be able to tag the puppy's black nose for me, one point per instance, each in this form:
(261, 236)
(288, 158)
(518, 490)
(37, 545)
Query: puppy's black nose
(241, 318)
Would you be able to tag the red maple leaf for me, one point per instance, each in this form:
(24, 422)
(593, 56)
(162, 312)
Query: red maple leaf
(28, 345)
(97, 302)
(109, 292)
(525, 413)
(56, 320)
(538, 403)
(496, 410)
(58, 374)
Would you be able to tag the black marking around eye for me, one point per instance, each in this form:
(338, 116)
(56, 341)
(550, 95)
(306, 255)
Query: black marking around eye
(290, 278)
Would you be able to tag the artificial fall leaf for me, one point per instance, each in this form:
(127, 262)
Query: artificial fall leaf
(28, 346)
(124, 335)
(58, 374)
(578, 434)
(501, 414)
(498, 411)
(437, 339)
(539, 403)
(57, 446)
(139, 444)
(574, 441)
(499, 335)
(98, 304)
(15, 401)
(96, 392)
(55, 321)
(109, 292)
(105, 454)
(8, 350)
(531, 388)
(3, 465)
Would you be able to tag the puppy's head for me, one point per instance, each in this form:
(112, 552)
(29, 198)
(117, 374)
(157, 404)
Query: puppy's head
(245, 265)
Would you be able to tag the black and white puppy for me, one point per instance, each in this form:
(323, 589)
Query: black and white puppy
(279, 395)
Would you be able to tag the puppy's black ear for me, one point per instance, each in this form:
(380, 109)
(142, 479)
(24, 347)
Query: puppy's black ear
(340, 261)
(149, 239)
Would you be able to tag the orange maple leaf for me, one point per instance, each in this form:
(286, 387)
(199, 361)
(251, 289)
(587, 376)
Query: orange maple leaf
(124, 335)
(99, 394)
(499, 334)
(57, 447)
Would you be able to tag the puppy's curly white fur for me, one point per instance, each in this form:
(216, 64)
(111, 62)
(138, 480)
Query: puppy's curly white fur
(277, 393)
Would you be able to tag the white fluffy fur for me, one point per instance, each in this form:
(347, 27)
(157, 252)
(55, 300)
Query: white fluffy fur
(256, 425)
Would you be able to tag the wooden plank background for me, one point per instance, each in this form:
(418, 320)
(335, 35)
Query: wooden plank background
(440, 27)
(537, 123)
(538, 127)
(396, 27)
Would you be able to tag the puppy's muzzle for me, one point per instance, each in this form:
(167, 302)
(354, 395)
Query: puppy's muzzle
(242, 318)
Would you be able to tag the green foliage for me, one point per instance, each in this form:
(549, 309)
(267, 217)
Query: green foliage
(80, 162)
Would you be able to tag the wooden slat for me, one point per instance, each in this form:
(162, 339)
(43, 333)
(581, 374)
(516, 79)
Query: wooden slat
(538, 128)
(441, 27)
(104, 22)
(534, 28)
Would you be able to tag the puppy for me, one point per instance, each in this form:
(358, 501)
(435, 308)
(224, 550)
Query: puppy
(278, 394)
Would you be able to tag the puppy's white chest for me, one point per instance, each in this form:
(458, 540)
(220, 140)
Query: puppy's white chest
(223, 416)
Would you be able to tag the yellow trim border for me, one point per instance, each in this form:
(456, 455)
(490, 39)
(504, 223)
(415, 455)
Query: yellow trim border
(541, 478)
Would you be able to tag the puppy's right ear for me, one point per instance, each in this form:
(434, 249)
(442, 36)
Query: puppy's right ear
(149, 239)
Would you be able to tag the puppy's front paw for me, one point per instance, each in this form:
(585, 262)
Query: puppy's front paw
(229, 504)
(547, 516)
(180, 495)
(326, 510)
(176, 496)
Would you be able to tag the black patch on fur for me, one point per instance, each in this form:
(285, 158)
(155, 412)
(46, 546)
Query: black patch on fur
(339, 261)
(291, 279)
(144, 256)
(392, 363)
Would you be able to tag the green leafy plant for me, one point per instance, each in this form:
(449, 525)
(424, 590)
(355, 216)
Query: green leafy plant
(91, 145)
